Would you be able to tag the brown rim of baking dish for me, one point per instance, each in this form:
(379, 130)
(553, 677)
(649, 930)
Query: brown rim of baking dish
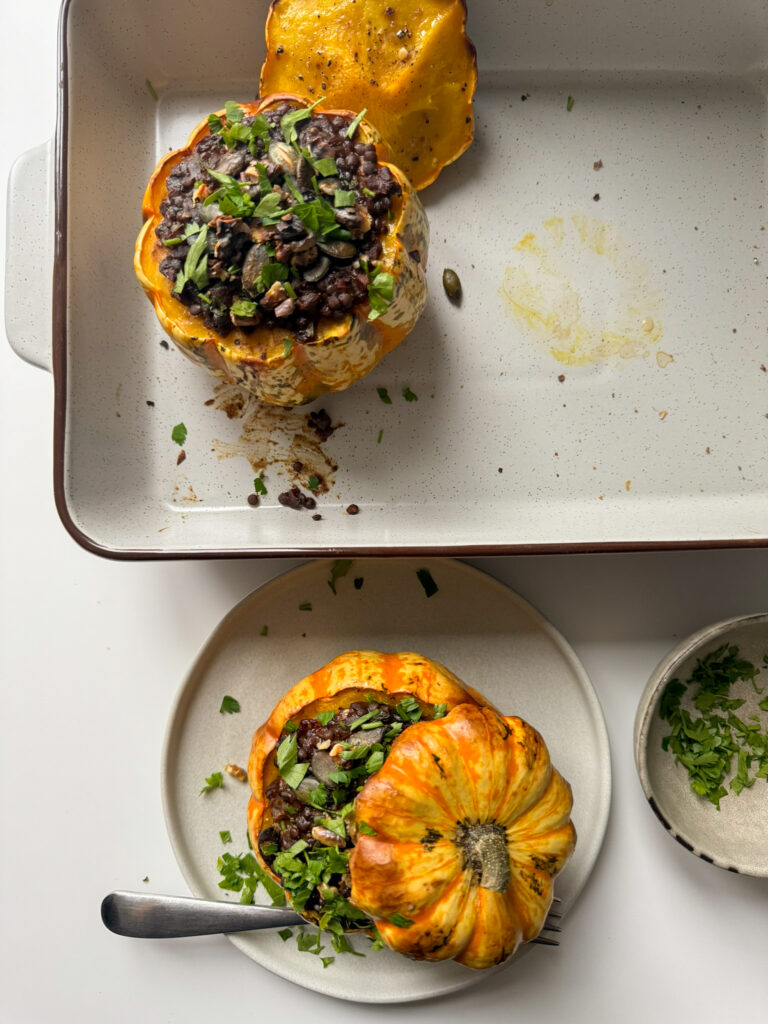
(59, 349)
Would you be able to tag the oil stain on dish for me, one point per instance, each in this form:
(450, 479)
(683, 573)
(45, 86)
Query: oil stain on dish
(578, 287)
(272, 437)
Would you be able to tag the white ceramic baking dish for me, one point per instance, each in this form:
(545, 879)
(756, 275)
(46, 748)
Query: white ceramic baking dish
(603, 383)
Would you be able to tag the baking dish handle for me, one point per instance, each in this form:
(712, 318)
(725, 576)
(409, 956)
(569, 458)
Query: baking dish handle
(29, 255)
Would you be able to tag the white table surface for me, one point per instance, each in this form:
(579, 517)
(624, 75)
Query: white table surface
(91, 653)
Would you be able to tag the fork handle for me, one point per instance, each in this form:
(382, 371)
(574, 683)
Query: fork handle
(142, 915)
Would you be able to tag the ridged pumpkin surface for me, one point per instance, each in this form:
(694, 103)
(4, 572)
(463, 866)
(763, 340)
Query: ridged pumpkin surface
(343, 350)
(472, 825)
(410, 64)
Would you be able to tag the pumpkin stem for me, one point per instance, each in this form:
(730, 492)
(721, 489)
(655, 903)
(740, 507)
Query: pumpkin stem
(484, 847)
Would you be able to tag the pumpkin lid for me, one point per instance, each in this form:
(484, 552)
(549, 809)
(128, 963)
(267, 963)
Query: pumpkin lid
(412, 67)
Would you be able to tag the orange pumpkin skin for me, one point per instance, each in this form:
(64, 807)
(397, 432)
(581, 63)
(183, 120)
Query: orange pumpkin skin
(350, 677)
(417, 86)
(343, 350)
(472, 825)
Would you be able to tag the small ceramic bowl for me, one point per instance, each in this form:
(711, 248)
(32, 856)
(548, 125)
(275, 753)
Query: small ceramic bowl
(736, 836)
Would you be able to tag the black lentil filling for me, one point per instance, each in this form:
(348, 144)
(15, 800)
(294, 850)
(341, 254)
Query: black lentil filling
(275, 268)
(364, 749)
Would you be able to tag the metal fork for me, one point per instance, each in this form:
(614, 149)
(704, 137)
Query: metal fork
(142, 915)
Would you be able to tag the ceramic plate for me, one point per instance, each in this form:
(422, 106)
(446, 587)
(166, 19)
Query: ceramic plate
(736, 836)
(489, 636)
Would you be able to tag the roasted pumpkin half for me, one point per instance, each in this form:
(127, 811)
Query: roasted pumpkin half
(281, 250)
(410, 64)
(390, 798)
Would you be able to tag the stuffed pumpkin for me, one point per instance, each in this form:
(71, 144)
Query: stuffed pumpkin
(281, 250)
(390, 798)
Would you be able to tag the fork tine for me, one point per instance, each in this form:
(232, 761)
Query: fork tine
(551, 927)
(554, 913)
(542, 940)
(556, 899)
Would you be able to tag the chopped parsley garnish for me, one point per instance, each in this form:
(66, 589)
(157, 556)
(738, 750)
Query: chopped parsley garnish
(259, 488)
(378, 439)
(316, 215)
(195, 267)
(290, 727)
(441, 710)
(313, 483)
(270, 274)
(425, 579)
(409, 709)
(225, 836)
(287, 345)
(264, 629)
(229, 706)
(343, 198)
(306, 606)
(214, 781)
(384, 396)
(326, 167)
(381, 289)
(569, 104)
(353, 126)
(151, 89)
(705, 744)
(409, 396)
(339, 569)
(189, 230)
(324, 717)
(400, 922)
(285, 934)
(233, 111)
(179, 434)
(233, 130)
(358, 722)
(289, 121)
(359, 580)
(365, 829)
(290, 771)
(269, 209)
(243, 307)
(231, 198)
(245, 874)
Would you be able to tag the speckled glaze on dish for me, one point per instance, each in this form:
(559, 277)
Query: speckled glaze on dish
(483, 632)
(602, 382)
(735, 837)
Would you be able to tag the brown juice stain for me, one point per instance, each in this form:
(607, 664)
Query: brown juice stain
(272, 437)
(556, 289)
(183, 493)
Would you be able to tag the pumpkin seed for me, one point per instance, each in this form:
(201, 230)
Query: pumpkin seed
(318, 270)
(339, 250)
(254, 263)
(452, 284)
(283, 156)
(304, 172)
